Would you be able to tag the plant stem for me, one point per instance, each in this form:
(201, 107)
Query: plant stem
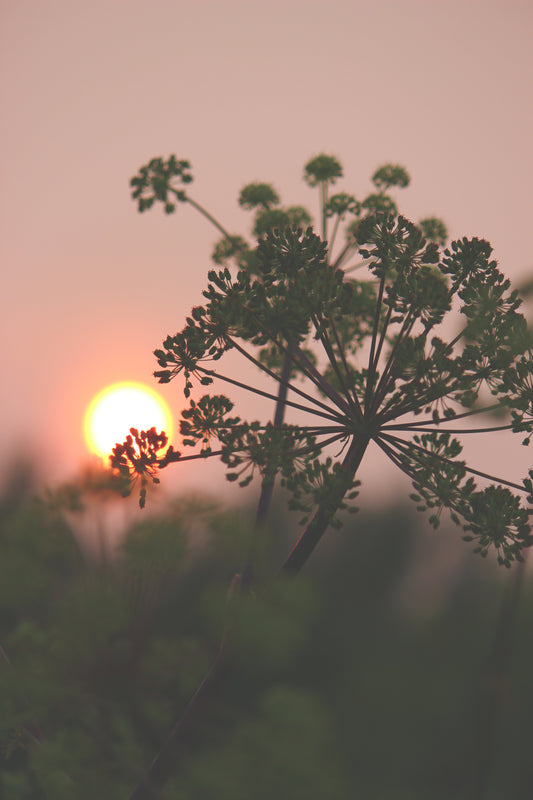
(416, 429)
(326, 344)
(408, 426)
(332, 416)
(493, 685)
(278, 378)
(333, 235)
(326, 511)
(323, 201)
(343, 255)
(166, 759)
(372, 361)
(307, 367)
(267, 486)
(209, 216)
(212, 686)
(352, 392)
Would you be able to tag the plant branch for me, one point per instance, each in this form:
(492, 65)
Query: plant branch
(267, 485)
(344, 253)
(333, 235)
(322, 383)
(321, 332)
(211, 372)
(438, 420)
(403, 445)
(384, 382)
(208, 216)
(326, 511)
(371, 358)
(288, 353)
(165, 761)
(394, 410)
(346, 366)
(450, 430)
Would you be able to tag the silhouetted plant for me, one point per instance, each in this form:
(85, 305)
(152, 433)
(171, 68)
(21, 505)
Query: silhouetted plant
(378, 362)
(372, 352)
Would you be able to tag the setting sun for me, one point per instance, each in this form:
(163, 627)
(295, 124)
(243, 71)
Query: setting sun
(119, 407)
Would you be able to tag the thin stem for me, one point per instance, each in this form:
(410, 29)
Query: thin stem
(384, 333)
(340, 348)
(166, 759)
(396, 458)
(344, 253)
(392, 411)
(173, 456)
(284, 383)
(267, 485)
(211, 372)
(322, 333)
(319, 381)
(333, 235)
(438, 420)
(371, 357)
(208, 216)
(314, 430)
(456, 338)
(323, 201)
(307, 367)
(399, 460)
(403, 445)
(280, 378)
(384, 383)
(451, 430)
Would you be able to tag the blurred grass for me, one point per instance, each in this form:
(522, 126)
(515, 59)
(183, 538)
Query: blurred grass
(361, 679)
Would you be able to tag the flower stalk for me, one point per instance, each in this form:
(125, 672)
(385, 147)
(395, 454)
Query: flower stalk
(377, 367)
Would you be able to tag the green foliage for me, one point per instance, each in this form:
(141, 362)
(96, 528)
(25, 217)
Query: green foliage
(96, 650)
(327, 672)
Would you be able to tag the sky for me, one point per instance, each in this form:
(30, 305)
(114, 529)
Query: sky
(246, 91)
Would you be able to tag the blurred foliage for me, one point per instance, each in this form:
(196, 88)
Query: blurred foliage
(337, 688)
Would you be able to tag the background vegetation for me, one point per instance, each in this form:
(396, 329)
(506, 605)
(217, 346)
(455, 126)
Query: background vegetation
(369, 677)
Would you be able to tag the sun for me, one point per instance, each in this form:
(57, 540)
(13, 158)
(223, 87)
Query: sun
(119, 407)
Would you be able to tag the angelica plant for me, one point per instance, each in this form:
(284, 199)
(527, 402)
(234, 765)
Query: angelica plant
(389, 340)
(167, 182)
(377, 366)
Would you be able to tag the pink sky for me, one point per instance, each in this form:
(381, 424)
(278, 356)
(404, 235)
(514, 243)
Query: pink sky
(246, 91)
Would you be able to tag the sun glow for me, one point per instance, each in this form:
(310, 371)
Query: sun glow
(119, 407)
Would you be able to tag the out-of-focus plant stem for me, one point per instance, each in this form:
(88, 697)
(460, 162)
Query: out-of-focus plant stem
(494, 681)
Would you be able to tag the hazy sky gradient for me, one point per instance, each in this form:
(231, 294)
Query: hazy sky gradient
(247, 91)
